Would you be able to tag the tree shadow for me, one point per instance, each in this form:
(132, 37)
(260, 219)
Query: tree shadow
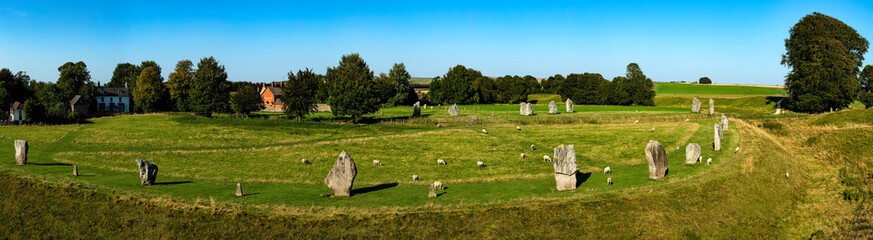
(581, 178)
(171, 183)
(50, 164)
(373, 188)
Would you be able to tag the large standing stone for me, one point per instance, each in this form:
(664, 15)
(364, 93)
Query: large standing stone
(453, 110)
(553, 108)
(657, 158)
(416, 109)
(569, 104)
(711, 106)
(716, 144)
(148, 172)
(695, 105)
(565, 167)
(342, 175)
(21, 152)
(525, 109)
(724, 122)
(692, 153)
(721, 131)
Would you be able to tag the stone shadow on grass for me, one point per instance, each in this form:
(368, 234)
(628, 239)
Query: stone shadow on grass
(582, 177)
(171, 183)
(49, 164)
(373, 188)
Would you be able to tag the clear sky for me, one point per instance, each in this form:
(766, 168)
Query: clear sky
(728, 41)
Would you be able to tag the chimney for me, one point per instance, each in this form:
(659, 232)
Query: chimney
(272, 84)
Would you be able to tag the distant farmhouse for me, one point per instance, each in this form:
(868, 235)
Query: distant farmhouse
(16, 113)
(79, 105)
(272, 97)
(112, 99)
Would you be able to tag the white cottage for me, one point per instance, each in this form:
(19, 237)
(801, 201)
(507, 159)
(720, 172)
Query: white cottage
(16, 113)
(111, 99)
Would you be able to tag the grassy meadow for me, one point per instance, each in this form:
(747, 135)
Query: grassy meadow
(708, 90)
(744, 194)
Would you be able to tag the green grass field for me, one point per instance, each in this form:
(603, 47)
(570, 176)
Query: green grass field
(742, 195)
(708, 90)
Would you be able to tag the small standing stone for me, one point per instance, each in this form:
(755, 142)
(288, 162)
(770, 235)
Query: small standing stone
(692, 153)
(695, 105)
(711, 106)
(416, 109)
(553, 107)
(432, 191)
(21, 149)
(148, 172)
(657, 159)
(453, 110)
(569, 104)
(716, 144)
(239, 190)
(724, 121)
(75, 170)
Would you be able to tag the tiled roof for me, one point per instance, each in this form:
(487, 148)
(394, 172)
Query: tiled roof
(112, 91)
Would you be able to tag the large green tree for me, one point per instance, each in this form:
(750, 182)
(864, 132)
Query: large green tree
(403, 92)
(148, 93)
(245, 100)
(455, 87)
(180, 84)
(824, 55)
(866, 93)
(641, 89)
(5, 94)
(210, 90)
(124, 75)
(75, 79)
(299, 93)
(352, 88)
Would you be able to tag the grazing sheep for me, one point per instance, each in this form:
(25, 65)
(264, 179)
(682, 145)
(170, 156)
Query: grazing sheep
(608, 181)
(686, 120)
(653, 129)
(677, 149)
(304, 161)
(438, 185)
(547, 158)
(737, 150)
(518, 127)
(523, 156)
(607, 170)
(414, 178)
(484, 131)
(439, 125)
(480, 164)
(377, 163)
(637, 121)
(532, 147)
(441, 162)
(709, 161)
(786, 174)
(699, 158)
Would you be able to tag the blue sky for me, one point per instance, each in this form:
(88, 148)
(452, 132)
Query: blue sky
(728, 41)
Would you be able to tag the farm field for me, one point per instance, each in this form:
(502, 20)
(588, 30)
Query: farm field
(709, 90)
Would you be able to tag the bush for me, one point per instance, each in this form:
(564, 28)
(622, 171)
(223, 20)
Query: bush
(772, 125)
(704, 80)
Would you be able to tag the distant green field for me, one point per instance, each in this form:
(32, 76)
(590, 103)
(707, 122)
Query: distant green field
(703, 90)
(420, 82)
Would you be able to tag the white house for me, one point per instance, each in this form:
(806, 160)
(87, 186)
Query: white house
(111, 99)
(16, 113)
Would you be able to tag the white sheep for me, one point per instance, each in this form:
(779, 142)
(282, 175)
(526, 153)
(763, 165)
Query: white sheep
(518, 127)
(547, 158)
(484, 131)
(480, 164)
(523, 156)
(699, 158)
(677, 149)
(304, 161)
(709, 161)
(637, 121)
(438, 185)
(532, 147)
(737, 150)
(786, 174)
(414, 178)
(377, 163)
(608, 181)
(607, 170)
(439, 125)
(686, 120)
(441, 162)
(653, 129)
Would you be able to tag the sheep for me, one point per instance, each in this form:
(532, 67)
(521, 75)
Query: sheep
(480, 164)
(523, 156)
(677, 149)
(484, 131)
(439, 125)
(686, 120)
(304, 161)
(708, 161)
(637, 121)
(737, 150)
(518, 127)
(377, 163)
(699, 158)
(546, 158)
(532, 147)
(653, 129)
(415, 178)
(607, 170)
(438, 185)
(608, 181)
(786, 174)
(441, 162)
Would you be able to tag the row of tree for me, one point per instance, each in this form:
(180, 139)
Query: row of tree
(464, 85)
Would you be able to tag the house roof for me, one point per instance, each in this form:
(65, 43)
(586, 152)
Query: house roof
(75, 99)
(112, 91)
(277, 91)
(17, 106)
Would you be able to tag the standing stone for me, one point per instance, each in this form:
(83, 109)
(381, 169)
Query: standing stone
(657, 158)
(342, 175)
(21, 148)
(239, 190)
(724, 122)
(525, 109)
(569, 105)
(692, 153)
(148, 172)
(453, 110)
(565, 167)
(711, 106)
(416, 109)
(716, 144)
(75, 170)
(553, 108)
(530, 109)
(432, 191)
(695, 105)
(721, 131)
(779, 106)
